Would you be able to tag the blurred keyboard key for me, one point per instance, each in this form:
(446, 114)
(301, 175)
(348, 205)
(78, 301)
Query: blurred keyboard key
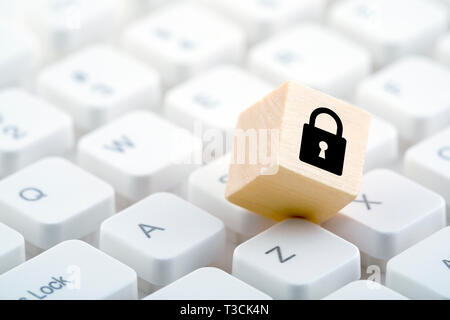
(207, 190)
(365, 290)
(442, 52)
(137, 8)
(183, 39)
(140, 153)
(65, 25)
(30, 128)
(98, 84)
(208, 284)
(214, 99)
(262, 18)
(12, 248)
(412, 94)
(53, 200)
(303, 54)
(428, 163)
(444, 2)
(423, 271)
(296, 259)
(390, 29)
(390, 214)
(17, 56)
(72, 270)
(163, 238)
(382, 145)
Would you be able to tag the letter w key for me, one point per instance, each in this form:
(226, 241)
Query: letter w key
(280, 256)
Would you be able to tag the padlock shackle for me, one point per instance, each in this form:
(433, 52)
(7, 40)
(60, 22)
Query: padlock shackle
(318, 111)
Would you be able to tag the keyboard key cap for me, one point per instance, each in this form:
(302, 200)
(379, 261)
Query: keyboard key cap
(208, 284)
(261, 18)
(53, 200)
(72, 270)
(365, 290)
(140, 153)
(382, 145)
(296, 259)
(30, 128)
(391, 214)
(445, 2)
(303, 54)
(429, 164)
(66, 25)
(17, 56)
(207, 191)
(184, 39)
(12, 248)
(214, 99)
(163, 238)
(412, 94)
(423, 271)
(142, 7)
(442, 52)
(385, 27)
(98, 84)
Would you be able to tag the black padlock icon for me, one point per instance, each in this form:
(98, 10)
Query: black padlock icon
(321, 148)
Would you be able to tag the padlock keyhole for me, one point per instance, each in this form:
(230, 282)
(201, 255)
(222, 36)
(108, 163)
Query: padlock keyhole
(323, 147)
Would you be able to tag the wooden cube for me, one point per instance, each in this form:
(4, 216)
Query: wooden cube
(286, 164)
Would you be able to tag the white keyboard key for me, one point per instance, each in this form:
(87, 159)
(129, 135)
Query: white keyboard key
(423, 271)
(17, 56)
(390, 29)
(429, 164)
(391, 214)
(208, 284)
(207, 190)
(296, 259)
(163, 238)
(98, 84)
(261, 18)
(382, 145)
(412, 94)
(140, 153)
(65, 25)
(303, 54)
(365, 290)
(215, 98)
(445, 2)
(442, 52)
(142, 7)
(184, 39)
(72, 270)
(30, 128)
(12, 248)
(53, 200)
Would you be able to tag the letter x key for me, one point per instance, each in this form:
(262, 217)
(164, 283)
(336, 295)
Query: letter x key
(367, 202)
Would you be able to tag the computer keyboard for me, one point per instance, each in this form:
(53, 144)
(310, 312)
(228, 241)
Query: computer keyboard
(116, 119)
